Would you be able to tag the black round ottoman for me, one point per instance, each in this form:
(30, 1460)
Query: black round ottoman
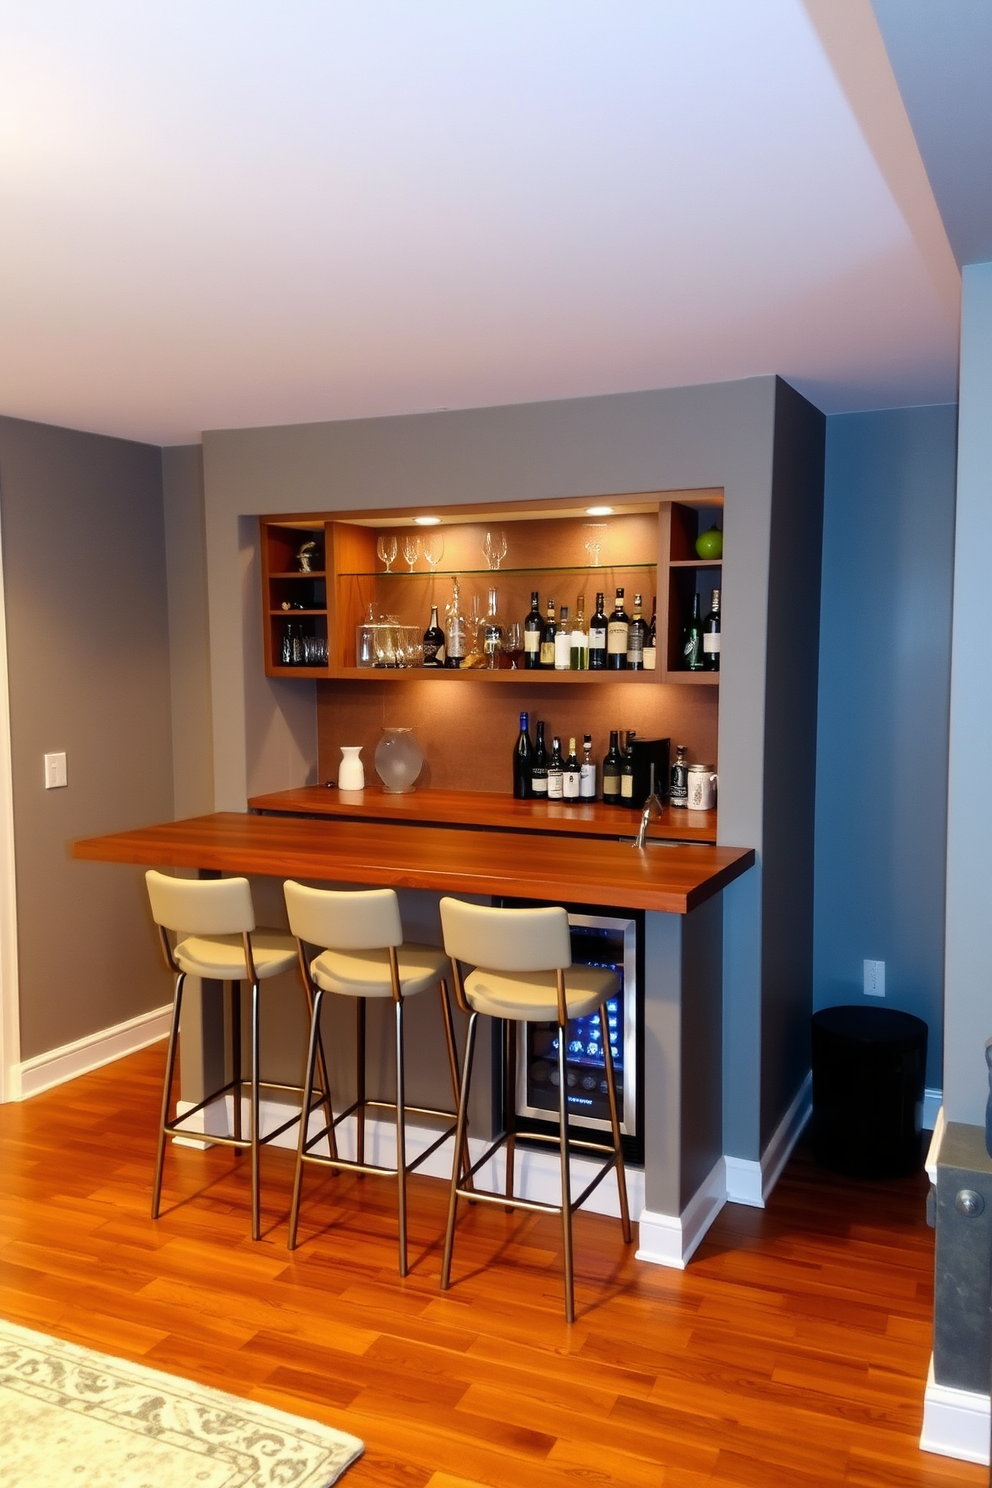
(869, 1071)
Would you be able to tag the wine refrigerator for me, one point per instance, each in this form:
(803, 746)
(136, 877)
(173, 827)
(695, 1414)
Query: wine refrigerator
(612, 939)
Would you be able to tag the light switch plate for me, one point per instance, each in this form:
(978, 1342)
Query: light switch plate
(874, 978)
(55, 771)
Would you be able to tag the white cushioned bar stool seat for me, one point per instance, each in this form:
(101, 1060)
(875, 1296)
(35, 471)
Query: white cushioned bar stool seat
(214, 936)
(362, 955)
(521, 971)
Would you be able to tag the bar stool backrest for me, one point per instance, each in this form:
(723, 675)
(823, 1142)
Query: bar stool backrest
(506, 939)
(197, 906)
(358, 920)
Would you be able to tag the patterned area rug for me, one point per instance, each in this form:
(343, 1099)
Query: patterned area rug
(70, 1416)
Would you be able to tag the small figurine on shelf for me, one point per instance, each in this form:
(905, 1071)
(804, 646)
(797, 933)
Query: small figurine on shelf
(306, 557)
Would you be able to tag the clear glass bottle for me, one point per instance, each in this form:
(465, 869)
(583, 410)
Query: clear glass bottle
(680, 777)
(587, 771)
(492, 632)
(455, 630)
(562, 641)
(578, 639)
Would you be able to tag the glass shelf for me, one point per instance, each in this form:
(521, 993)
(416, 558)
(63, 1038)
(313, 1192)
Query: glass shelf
(494, 574)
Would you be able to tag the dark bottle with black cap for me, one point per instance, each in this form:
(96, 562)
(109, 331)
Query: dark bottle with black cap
(523, 760)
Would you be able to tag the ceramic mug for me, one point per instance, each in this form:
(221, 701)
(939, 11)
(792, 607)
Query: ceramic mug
(702, 788)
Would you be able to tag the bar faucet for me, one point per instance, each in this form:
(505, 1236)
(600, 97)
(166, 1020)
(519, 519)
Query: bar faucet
(652, 807)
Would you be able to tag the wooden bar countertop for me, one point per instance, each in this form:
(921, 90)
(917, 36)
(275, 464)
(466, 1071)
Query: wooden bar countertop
(669, 878)
(449, 808)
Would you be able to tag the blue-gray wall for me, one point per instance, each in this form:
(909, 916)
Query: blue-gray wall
(882, 738)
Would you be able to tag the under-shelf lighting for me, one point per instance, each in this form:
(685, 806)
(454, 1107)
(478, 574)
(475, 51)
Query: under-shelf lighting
(599, 511)
(427, 521)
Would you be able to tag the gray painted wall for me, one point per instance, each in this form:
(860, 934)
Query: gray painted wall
(715, 435)
(88, 655)
(189, 640)
(881, 787)
(968, 994)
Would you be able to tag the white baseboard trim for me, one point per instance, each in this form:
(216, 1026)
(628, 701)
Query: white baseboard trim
(96, 1049)
(670, 1239)
(537, 1173)
(955, 1422)
(750, 1182)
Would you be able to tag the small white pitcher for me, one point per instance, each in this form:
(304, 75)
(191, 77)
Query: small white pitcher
(351, 771)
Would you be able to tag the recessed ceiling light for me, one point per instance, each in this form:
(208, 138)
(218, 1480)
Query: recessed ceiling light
(599, 511)
(427, 521)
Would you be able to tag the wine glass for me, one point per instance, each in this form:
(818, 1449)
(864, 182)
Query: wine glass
(494, 548)
(597, 533)
(386, 547)
(433, 549)
(513, 643)
(411, 550)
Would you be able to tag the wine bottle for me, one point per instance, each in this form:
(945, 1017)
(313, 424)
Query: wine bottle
(680, 777)
(627, 771)
(617, 628)
(651, 643)
(455, 630)
(548, 631)
(578, 640)
(692, 644)
(572, 776)
(597, 637)
(533, 626)
(539, 767)
(612, 764)
(434, 642)
(492, 632)
(556, 771)
(562, 641)
(636, 637)
(711, 635)
(587, 771)
(523, 760)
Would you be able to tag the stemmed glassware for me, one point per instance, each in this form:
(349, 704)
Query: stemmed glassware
(513, 644)
(597, 533)
(387, 547)
(433, 549)
(494, 548)
(411, 550)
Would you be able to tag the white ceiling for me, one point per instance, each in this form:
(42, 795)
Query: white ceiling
(219, 213)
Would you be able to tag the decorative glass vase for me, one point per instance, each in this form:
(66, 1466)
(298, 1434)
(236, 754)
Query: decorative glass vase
(398, 760)
(351, 771)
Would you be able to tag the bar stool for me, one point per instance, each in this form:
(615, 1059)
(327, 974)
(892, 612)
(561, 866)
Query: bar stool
(363, 955)
(520, 958)
(213, 921)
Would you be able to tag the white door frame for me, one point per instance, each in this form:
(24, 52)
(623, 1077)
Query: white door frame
(10, 1034)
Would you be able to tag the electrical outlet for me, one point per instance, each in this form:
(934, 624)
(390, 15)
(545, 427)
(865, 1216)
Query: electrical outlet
(874, 978)
(55, 772)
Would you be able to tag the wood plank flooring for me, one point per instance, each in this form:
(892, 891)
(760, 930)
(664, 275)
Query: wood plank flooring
(793, 1351)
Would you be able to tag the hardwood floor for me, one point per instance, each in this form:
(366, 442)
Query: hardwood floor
(793, 1351)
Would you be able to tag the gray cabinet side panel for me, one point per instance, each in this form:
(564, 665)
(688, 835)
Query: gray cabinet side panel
(702, 1045)
(662, 1062)
(790, 753)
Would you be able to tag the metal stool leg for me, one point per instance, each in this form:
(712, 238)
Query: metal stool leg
(170, 1066)
(566, 1187)
(401, 1135)
(462, 1126)
(236, 1059)
(510, 1101)
(449, 1034)
(360, 1082)
(256, 1208)
(294, 1213)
